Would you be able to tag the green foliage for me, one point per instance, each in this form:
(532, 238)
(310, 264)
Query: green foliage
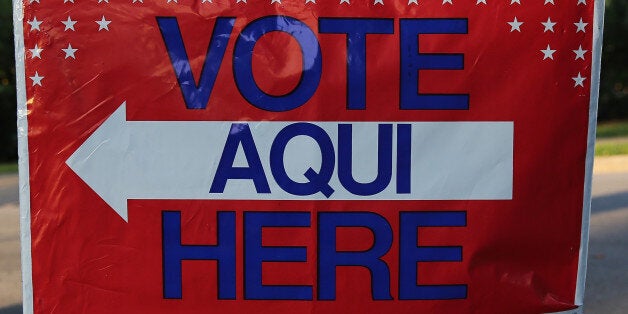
(614, 76)
(8, 129)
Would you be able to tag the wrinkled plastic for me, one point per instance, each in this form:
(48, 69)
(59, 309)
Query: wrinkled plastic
(340, 115)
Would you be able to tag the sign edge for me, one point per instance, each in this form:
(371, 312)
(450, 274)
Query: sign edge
(598, 26)
(23, 160)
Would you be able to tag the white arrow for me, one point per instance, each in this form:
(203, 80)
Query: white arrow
(143, 159)
(125, 160)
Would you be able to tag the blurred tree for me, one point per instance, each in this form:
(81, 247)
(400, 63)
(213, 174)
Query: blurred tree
(614, 81)
(8, 129)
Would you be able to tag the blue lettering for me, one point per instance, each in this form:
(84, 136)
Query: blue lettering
(329, 258)
(412, 62)
(256, 254)
(318, 181)
(195, 96)
(404, 158)
(174, 252)
(384, 161)
(410, 254)
(243, 56)
(356, 30)
(240, 134)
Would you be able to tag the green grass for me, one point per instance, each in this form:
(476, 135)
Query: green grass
(610, 148)
(8, 168)
(612, 138)
(612, 129)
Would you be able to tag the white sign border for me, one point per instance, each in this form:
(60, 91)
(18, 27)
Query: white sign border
(23, 163)
(596, 61)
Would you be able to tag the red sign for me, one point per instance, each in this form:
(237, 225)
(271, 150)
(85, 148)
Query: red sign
(292, 156)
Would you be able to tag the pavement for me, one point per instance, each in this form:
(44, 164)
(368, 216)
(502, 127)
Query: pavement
(607, 274)
(10, 276)
(610, 164)
(607, 271)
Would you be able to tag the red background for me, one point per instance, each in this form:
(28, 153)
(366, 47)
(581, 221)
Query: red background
(519, 255)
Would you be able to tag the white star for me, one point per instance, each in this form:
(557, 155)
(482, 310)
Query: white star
(275, 1)
(34, 24)
(308, 1)
(36, 79)
(448, 1)
(31, 1)
(210, 1)
(69, 24)
(344, 1)
(580, 26)
(582, 2)
(36, 52)
(515, 1)
(480, 1)
(238, 1)
(579, 53)
(549, 1)
(107, 1)
(142, 1)
(103, 24)
(378, 2)
(66, 1)
(413, 2)
(548, 53)
(175, 1)
(578, 80)
(549, 25)
(515, 25)
(69, 52)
